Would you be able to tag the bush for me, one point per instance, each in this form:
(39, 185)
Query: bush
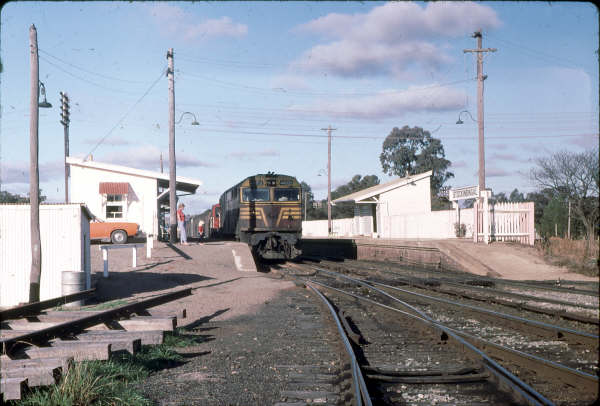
(572, 254)
(460, 230)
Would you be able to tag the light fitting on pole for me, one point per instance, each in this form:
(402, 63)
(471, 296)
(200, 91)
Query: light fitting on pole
(195, 122)
(45, 103)
(464, 111)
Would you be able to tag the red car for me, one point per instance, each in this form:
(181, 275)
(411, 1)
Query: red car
(117, 232)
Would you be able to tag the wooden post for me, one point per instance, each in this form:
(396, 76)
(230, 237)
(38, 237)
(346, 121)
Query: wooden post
(34, 174)
(476, 221)
(569, 223)
(172, 166)
(531, 220)
(134, 257)
(105, 261)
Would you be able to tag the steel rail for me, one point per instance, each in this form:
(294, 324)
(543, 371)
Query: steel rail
(525, 284)
(502, 377)
(558, 332)
(543, 329)
(517, 305)
(583, 380)
(12, 344)
(360, 387)
(31, 309)
(411, 281)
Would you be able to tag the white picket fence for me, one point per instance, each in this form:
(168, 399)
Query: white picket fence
(508, 222)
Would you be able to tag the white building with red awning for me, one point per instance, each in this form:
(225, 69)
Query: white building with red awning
(119, 193)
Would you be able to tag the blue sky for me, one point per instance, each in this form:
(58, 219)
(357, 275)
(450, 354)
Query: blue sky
(263, 79)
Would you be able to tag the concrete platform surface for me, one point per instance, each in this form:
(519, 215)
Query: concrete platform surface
(222, 275)
(497, 259)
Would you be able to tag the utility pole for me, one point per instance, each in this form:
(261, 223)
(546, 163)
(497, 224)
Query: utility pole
(172, 175)
(64, 120)
(329, 130)
(34, 174)
(569, 223)
(480, 78)
(161, 163)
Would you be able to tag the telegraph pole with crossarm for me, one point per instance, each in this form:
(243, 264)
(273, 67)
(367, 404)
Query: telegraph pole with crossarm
(480, 78)
(64, 120)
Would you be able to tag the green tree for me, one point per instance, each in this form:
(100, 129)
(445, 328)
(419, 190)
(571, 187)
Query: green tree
(574, 177)
(409, 151)
(7, 197)
(554, 219)
(541, 200)
(358, 182)
(516, 196)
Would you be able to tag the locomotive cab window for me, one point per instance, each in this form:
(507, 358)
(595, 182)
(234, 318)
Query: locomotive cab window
(287, 195)
(255, 195)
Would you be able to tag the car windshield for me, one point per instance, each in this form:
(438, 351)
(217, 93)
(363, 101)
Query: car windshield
(287, 195)
(255, 195)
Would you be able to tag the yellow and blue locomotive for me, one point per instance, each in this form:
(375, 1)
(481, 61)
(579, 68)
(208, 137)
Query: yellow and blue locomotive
(264, 211)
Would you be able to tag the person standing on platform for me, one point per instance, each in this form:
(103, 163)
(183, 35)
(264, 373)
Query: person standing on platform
(181, 224)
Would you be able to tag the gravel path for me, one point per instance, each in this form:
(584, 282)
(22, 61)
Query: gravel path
(246, 325)
(247, 360)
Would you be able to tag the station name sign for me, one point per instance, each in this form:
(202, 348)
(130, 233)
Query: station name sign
(468, 192)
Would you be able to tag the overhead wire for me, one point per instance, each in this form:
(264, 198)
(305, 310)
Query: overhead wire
(83, 79)
(299, 93)
(89, 71)
(128, 111)
(534, 52)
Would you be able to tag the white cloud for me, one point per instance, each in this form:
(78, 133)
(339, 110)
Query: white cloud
(354, 58)
(250, 155)
(174, 21)
(18, 172)
(458, 164)
(497, 173)
(289, 82)
(390, 37)
(392, 103)
(148, 157)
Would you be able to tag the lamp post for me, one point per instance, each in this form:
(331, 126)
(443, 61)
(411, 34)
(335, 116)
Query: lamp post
(195, 122)
(172, 167)
(459, 121)
(34, 173)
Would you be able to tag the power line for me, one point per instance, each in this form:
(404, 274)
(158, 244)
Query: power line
(535, 53)
(83, 79)
(128, 111)
(89, 71)
(281, 90)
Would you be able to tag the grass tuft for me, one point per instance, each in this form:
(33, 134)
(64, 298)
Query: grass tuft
(92, 383)
(106, 383)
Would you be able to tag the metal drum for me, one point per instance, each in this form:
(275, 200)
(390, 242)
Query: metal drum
(73, 282)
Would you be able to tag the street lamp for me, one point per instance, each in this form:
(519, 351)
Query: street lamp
(195, 122)
(45, 103)
(464, 111)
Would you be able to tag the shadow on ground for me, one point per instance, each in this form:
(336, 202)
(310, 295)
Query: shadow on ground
(121, 285)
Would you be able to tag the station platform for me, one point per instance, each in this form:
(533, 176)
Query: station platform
(223, 277)
(497, 259)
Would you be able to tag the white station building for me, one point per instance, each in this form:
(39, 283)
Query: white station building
(119, 193)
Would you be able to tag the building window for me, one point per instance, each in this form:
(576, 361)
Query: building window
(115, 206)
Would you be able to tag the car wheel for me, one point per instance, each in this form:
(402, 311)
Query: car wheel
(118, 237)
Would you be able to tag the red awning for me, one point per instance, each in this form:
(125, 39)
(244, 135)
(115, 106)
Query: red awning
(114, 188)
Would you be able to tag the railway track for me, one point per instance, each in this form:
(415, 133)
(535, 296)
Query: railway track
(577, 309)
(41, 345)
(390, 347)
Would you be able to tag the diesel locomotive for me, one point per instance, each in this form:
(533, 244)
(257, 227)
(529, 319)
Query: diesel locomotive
(264, 211)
